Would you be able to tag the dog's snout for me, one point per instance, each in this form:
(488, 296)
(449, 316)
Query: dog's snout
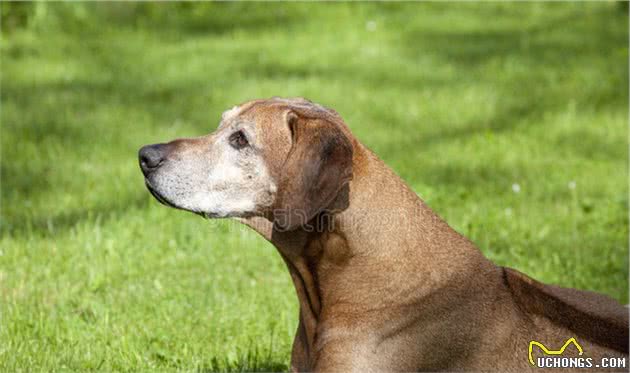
(151, 157)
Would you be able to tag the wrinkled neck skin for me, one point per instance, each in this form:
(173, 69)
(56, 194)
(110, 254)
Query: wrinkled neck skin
(357, 276)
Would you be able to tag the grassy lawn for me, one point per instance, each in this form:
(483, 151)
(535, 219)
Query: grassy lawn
(510, 120)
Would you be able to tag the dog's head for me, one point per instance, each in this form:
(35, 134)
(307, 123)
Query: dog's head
(284, 159)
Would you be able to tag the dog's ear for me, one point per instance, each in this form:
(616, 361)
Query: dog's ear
(318, 165)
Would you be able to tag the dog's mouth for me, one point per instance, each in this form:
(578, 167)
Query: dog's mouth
(158, 196)
(163, 200)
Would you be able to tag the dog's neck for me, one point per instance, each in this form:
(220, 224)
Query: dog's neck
(387, 248)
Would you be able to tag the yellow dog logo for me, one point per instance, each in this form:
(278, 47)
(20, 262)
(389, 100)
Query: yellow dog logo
(552, 352)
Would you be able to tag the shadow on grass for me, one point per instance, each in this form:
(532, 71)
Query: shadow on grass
(22, 224)
(170, 19)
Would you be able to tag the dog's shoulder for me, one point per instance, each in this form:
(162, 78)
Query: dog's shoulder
(594, 316)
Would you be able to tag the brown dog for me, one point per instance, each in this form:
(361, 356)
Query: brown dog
(383, 283)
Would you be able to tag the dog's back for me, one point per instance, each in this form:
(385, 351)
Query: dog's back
(598, 322)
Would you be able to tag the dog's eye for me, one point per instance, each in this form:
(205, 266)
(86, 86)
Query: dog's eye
(238, 140)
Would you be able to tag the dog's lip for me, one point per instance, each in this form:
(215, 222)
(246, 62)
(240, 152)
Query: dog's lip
(157, 195)
(163, 200)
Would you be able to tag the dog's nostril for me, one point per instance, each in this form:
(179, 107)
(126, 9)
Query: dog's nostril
(151, 157)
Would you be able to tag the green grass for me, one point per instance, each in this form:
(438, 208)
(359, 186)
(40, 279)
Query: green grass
(463, 100)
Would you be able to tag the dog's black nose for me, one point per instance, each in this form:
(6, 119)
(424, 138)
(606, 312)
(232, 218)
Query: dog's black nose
(151, 157)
